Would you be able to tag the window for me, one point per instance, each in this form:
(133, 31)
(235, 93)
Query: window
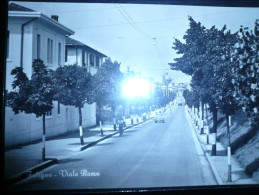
(91, 59)
(7, 44)
(86, 63)
(97, 62)
(50, 51)
(38, 46)
(59, 54)
(83, 58)
(58, 108)
(66, 55)
(49, 113)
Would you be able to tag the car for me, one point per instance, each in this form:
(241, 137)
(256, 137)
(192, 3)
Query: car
(159, 118)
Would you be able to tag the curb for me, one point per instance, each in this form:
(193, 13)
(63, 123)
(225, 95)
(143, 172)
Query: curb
(31, 171)
(108, 136)
(52, 161)
(213, 168)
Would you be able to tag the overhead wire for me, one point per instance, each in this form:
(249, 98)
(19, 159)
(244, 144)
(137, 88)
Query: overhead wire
(134, 23)
(157, 51)
(129, 19)
(85, 10)
(157, 20)
(136, 27)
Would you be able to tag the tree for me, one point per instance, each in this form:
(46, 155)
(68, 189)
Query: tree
(206, 57)
(106, 85)
(72, 87)
(190, 98)
(193, 61)
(245, 57)
(195, 53)
(34, 95)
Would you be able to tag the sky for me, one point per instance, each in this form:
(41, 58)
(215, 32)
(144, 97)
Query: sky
(141, 36)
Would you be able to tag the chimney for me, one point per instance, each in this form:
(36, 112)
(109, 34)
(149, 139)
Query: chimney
(54, 17)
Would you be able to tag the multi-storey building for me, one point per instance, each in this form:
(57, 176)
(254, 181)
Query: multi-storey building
(33, 35)
(83, 55)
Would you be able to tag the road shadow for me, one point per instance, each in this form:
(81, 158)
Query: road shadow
(131, 131)
(79, 144)
(74, 134)
(104, 144)
(119, 136)
(222, 153)
(241, 174)
(69, 160)
(75, 144)
(219, 152)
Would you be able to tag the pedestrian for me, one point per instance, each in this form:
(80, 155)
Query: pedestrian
(121, 126)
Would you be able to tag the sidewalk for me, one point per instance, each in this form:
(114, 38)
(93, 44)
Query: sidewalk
(219, 163)
(22, 161)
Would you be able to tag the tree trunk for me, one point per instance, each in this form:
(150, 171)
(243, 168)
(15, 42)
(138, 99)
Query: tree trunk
(229, 150)
(196, 116)
(43, 137)
(124, 109)
(202, 118)
(124, 114)
(207, 125)
(100, 118)
(214, 130)
(131, 110)
(228, 131)
(100, 112)
(114, 118)
(199, 117)
(80, 126)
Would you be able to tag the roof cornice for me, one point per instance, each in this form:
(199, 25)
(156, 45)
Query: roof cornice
(79, 44)
(44, 17)
(23, 14)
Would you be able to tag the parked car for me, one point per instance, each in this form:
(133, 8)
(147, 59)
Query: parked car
(159, 118)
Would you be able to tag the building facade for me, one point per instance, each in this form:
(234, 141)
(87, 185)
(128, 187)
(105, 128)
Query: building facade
(83, 55)
(33, 35)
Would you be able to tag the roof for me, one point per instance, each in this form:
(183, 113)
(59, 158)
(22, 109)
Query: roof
(15, 7)
(70, 41)
(15, 10)
(73, 42)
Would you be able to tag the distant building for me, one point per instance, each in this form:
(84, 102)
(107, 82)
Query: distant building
(83, 55)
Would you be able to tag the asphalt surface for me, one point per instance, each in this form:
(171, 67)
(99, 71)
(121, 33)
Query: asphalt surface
(149, 155)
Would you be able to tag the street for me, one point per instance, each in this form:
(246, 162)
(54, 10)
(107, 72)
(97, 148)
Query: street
(149, 155)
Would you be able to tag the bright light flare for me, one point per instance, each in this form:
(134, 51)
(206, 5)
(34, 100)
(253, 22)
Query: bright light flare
(136, 88)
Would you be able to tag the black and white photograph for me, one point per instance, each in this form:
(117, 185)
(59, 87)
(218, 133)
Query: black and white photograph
(106, 96)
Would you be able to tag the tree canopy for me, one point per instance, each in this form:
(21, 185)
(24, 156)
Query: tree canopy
(106, 84)
(33, 95)
(72, 85)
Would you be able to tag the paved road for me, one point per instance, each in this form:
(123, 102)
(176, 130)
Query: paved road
(150, 155)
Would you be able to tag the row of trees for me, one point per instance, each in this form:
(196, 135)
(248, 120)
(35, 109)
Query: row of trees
(72, 85)
(225, 70)
(69, 85)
